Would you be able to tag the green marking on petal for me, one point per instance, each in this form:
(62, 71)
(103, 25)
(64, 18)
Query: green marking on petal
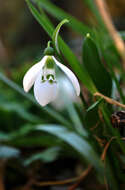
(42, 77)
(51, 81)
(50, 63)
(50, 75)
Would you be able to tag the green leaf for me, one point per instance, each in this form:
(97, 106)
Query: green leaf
(111, 57)
(56, 32)
(92, 117)
(7, 152)
(76, 66)
(46, 156)
(74, 140)
(25, 136)
(60, 14)
(95, 68)
(48, 110)
(34, 141)
(19, 109)
(68, 54)
(21, 132)
(78, 126)
(92, 6)
(3, 136)
(94, 105)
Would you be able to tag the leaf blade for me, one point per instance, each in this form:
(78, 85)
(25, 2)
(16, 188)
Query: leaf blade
(94, 66)
(60, 14)
(74, 140)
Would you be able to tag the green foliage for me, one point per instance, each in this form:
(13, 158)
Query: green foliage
(7, 152)
(46, 156)
(81, 129)
(68, 54)
(95, 68)
(61, 14)
(79, 144)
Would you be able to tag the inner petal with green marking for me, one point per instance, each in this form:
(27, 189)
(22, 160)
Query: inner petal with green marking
(50, 63)
(48, 72)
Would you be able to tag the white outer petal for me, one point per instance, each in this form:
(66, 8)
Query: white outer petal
(32, 74)
(44, 92)
(70, 75)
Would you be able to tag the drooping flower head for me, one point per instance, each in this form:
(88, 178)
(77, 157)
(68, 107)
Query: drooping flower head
(43, 76)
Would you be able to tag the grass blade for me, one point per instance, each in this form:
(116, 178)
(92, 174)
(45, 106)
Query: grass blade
(60, 14)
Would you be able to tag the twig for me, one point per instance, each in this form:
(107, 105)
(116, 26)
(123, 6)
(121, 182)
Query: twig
(105, 179)
(28, 185)
(109, 100)
(85, 173)
(100, 141)
(2, 170)
(103, 156)
(63, 182)
(95, 126)
(119, 43)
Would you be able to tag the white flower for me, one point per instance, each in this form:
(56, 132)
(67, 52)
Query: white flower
(43, 76)
(67, 96)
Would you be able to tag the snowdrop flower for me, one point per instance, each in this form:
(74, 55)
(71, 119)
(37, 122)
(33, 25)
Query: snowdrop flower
(42, 75)
(67, 96)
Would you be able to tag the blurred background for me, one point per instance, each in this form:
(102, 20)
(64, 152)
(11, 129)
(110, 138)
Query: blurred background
(22, 41)
(22, 38)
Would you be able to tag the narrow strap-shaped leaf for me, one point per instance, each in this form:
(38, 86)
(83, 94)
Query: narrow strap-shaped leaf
(95, 104)
(74, 140)
(7, 152)
(46, 156)
(95, 68)
(60, 14)
(20, 110)
(92, 6)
